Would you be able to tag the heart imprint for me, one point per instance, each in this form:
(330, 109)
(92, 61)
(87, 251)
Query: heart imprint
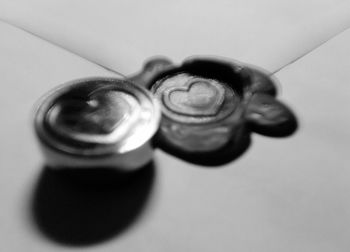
(195, 98)
(98, 115)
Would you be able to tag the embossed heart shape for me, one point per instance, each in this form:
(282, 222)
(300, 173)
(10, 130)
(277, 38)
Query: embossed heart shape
(98, 114)
(195, 98)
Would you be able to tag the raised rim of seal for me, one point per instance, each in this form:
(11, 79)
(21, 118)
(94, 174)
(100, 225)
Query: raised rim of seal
(46, 102)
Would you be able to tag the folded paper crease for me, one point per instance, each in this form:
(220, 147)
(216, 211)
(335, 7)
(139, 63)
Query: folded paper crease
(121, 35)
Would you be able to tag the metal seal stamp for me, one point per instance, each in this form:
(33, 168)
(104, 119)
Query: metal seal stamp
(97, 122)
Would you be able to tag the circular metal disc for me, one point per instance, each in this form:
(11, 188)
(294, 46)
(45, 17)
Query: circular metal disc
(97, 121)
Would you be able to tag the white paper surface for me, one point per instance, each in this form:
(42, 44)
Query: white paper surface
(122, 34)
(281, 195)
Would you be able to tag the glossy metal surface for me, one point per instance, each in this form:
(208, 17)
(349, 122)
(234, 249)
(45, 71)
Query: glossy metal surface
(97, 122)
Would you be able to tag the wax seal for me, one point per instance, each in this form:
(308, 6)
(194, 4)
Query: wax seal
(211, 105)
(97, 122)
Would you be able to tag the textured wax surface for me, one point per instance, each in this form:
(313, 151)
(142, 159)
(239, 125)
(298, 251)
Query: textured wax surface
(193, 99)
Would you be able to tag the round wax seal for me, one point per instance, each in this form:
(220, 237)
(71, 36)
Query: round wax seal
(97, 122)
(210, 106)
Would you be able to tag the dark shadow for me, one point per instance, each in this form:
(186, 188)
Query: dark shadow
(82, 207)
(232, 151)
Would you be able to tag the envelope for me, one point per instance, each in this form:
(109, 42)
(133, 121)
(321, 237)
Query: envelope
(287, 194)
(120, 35)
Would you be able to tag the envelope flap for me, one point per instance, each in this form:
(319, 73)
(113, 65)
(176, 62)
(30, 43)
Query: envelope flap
(122, 34)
